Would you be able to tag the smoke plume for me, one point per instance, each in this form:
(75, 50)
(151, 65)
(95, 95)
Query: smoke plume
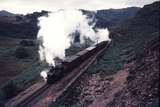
(55, 33)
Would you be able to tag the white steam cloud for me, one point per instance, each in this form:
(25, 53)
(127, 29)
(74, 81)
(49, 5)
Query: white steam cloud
(44, 74)
(56, 28)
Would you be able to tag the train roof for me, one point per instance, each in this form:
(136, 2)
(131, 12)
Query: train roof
(90, 48)
(101, 43)
(82, 52)
(85, 51)
(73, 57)
(70, 58)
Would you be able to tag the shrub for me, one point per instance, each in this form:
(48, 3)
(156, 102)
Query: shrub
(21, 52)
(9, 90)
(27, 43)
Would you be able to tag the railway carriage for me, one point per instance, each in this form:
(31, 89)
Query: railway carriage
(71, 62)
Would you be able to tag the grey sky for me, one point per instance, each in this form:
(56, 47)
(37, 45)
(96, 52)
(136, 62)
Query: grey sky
(26, 6)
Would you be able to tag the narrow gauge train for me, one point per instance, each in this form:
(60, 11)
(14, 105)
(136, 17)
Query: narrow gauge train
(71, 62)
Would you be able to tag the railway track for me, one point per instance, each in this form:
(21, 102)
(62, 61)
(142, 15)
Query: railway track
(21, 101)
(55, 90)
(38, 92)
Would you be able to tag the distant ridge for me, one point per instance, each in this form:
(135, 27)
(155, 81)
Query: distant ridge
(111, 17)
(26, 26)
(6, 13)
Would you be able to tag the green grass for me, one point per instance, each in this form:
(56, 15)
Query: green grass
(28, 74)
(112, 60)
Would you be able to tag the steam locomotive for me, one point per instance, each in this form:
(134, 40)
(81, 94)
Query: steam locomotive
(71, 62)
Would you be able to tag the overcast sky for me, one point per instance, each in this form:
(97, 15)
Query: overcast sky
(27, 6)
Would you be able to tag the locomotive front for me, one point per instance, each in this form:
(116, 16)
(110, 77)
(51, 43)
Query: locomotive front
(55, 73)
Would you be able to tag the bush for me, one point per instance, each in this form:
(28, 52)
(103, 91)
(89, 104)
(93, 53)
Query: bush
(9, 90)
(2, 104)
(131, 77)
(27, 43)
(21, 52)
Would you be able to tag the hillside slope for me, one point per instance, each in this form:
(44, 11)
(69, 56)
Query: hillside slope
(111, 17)
(20, 26)
(142, 84)
(5, 13)
(134, 49)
